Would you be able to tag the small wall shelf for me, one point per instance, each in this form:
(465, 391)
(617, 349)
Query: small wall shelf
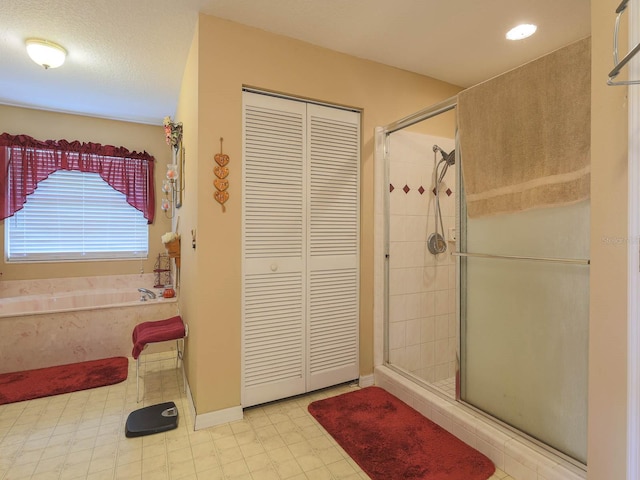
(162, 271)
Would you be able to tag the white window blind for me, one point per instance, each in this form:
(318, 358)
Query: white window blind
(74, 215)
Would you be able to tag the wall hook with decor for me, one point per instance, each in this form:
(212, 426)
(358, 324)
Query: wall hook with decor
(221, 171)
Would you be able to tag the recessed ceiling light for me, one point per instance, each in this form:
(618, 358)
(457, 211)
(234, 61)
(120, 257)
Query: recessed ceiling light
(45, 53)
(521, 31)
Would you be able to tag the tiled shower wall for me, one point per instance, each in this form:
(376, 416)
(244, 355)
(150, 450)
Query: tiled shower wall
(422, 286)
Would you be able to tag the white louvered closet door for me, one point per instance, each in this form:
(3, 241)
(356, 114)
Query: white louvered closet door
(300, 243)
(332, 253)
(274, 225)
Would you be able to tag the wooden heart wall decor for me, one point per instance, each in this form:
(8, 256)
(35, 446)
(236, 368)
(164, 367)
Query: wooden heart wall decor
(221, 171)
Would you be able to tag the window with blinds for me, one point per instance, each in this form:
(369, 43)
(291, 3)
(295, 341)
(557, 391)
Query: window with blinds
(75, 215)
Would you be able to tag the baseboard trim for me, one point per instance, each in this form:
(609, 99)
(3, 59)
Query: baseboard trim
(217, 417)
(192, 406)
(366, 380)
(211, 419)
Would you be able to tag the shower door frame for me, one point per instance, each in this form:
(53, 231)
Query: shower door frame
(383, 142)
(633, 314)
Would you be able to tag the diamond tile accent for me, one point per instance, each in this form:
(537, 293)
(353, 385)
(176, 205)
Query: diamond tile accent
(421, 190)
(449, 192)
(434, 191)
(391, 187)
(406, 189)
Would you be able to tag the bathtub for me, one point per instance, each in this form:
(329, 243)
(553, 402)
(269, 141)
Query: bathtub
(75, 301)
(59, 321)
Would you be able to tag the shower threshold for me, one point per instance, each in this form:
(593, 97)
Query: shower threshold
(510, 452)
(445, 387)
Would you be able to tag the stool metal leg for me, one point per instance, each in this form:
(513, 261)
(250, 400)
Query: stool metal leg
(138, 379)
(180, 356)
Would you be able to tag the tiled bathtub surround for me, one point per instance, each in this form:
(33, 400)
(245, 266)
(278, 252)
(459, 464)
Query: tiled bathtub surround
(18, 288)
(73, 301)
(422, 286)
(44, 336)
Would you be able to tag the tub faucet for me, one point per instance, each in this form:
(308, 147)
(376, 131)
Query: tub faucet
(146, 293)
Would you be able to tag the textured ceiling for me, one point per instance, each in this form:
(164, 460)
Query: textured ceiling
(126, 57)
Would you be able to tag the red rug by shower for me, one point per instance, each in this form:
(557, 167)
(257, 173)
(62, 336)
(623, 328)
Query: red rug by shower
(44, 382)
(390, 440)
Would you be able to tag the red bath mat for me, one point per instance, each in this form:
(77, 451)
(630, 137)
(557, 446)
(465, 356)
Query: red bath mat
(44, 382)
(391, 440)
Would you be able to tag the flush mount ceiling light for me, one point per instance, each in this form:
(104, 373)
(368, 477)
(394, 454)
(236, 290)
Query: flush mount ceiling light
(45, 53)
(521, 31)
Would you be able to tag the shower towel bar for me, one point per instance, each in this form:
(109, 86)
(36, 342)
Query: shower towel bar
(618, 65)
(574, 261)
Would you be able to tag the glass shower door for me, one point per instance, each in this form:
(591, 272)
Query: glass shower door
(524, 322)
(422, 333)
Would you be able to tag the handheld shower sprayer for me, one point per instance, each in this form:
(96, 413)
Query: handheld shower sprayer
(449, 158)
(436, 242)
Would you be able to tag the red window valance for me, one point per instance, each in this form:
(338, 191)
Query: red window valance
(25, 161)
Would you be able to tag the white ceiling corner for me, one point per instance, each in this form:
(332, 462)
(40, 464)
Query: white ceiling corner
(126, 57)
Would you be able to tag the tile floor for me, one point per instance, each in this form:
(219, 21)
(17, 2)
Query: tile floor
(447, 386)
(81, 436)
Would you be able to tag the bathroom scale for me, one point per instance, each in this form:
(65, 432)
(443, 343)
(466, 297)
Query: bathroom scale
(153, 419)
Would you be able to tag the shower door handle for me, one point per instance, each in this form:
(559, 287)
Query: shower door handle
(575, 261)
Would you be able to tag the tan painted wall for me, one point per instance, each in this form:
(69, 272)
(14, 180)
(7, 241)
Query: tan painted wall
(190, 288)
(608, 309)
(223, 58)
(44, 125)
(230, 56)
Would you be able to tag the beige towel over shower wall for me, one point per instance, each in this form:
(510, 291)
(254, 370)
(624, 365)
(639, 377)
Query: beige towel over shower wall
(524, 136)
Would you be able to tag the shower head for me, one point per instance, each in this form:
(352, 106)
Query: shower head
(449, 158)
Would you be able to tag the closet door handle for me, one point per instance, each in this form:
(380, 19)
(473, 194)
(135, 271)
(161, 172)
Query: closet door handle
(274, 267)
